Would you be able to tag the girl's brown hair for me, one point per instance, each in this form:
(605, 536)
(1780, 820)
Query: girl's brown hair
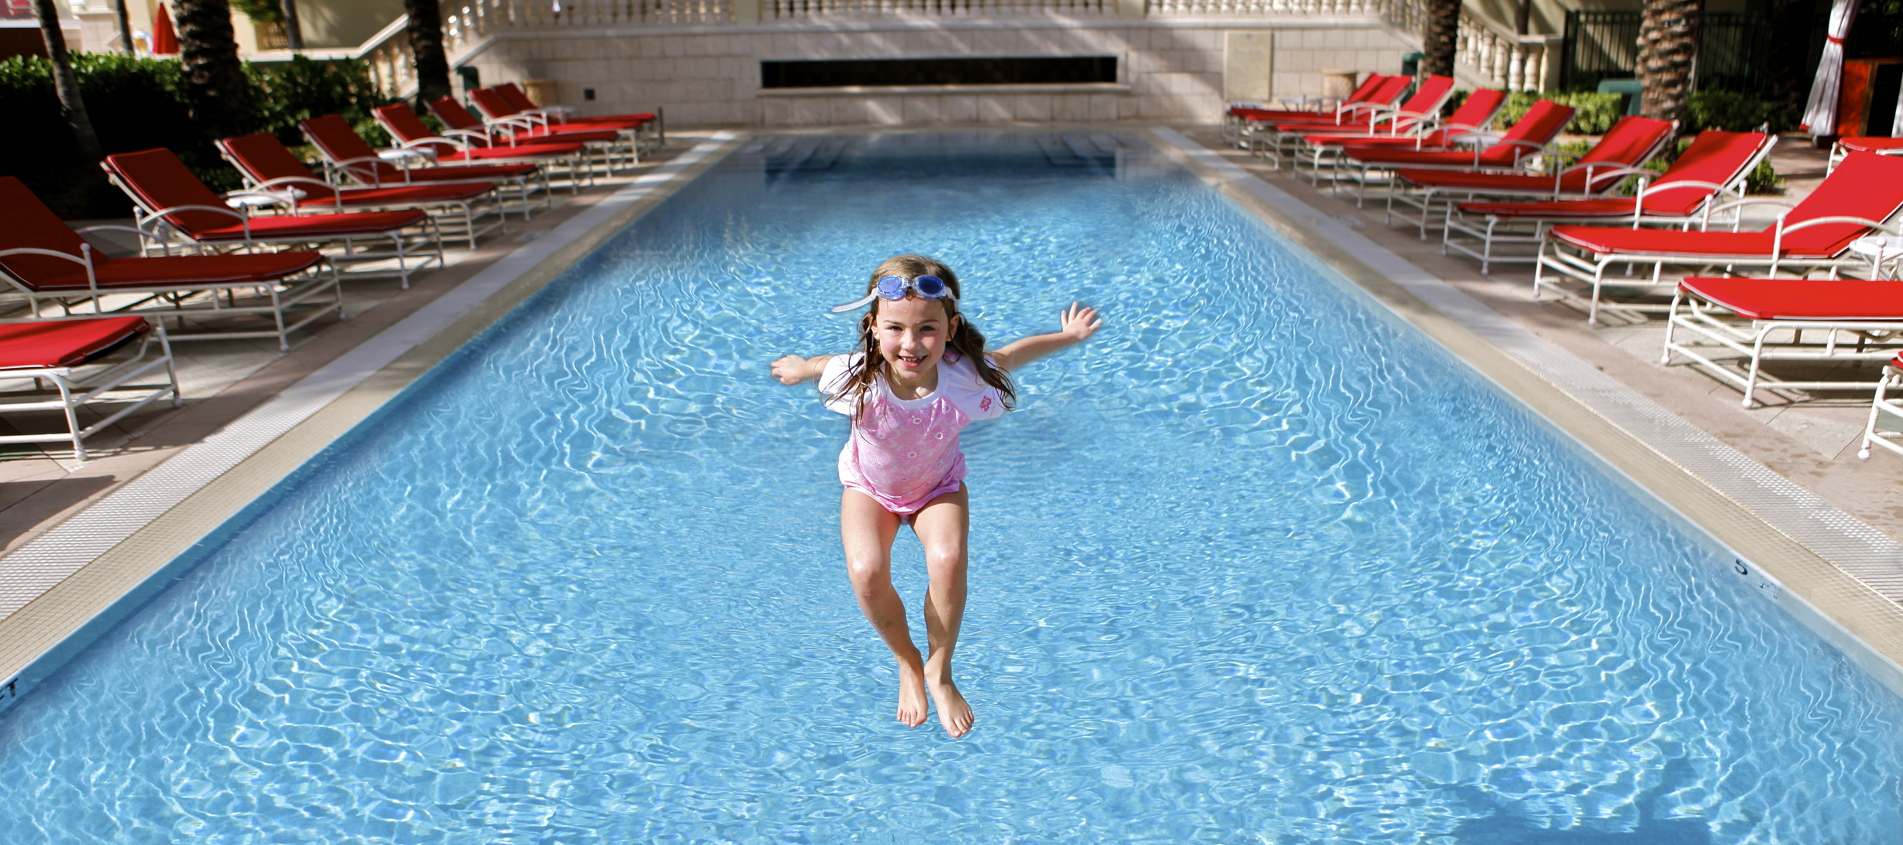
(965, 339)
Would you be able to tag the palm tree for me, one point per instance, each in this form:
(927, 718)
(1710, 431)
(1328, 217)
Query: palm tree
(426, 50)
(293, 33)
(125, 28)
(1440, 37)
(215, 84)
(1668, 52)
(65, 84)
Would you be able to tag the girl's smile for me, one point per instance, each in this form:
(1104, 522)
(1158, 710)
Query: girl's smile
(912, 333)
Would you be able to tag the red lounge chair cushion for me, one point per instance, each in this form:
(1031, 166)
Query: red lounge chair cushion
(463, 173)
(264, 158)
(1714, 157)
(1541, 124)
(1608, 240)
(1802, 299)
(315, 227)
(399, 195)
(340, 141)
(31, 225)
(1592, 209)
(448, 154)
(64, 343)
(581, 136)
(161, 181)
(1865, 185)
(1458, 180)
(1871, 145)
(514, 97)
(1627, 144)
(170, 271)
(497, 106)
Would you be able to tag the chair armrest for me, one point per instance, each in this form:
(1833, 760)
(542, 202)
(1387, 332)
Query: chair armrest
(266, 186)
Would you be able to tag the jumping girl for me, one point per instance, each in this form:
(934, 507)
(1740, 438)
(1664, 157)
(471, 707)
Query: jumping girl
(920, 375)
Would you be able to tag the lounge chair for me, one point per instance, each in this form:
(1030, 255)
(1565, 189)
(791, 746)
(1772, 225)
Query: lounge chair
(44, 263)
(268, 165)
(607, 142)
(173, 203)
(1630, 142)
(1305, 140)
(1236, 119)
(1864, 193)
(1712, 170)
(347, 153)
(1819, 323)
(1507, 153)
(462, 146)
(652, 124)
(1863, 144)
(1889, 400)
(72, 356)
(1258, 132)
(1475, 114)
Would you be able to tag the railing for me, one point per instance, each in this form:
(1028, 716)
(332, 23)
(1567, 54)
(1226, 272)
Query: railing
(1605, 44)
(1242, 8)
(795, 10)
(1485, 50)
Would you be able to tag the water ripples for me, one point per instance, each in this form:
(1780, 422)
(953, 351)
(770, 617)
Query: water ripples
(1252, 566)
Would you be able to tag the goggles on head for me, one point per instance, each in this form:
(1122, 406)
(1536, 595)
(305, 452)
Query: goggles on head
(894, 288)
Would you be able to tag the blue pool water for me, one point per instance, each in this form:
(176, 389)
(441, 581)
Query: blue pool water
(1254, 565)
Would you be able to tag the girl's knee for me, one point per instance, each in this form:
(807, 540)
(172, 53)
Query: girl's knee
(945, 561)
(869, 574)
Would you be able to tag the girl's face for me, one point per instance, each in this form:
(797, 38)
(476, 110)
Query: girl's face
(912, 335)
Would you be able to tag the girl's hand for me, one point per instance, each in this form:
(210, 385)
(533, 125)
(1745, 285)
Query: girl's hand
(1079, 322)
(792, 369)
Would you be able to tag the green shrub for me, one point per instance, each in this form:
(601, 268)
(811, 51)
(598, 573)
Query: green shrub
(1596, 112)
(1735, 112)
(283, 94)
(139, 104)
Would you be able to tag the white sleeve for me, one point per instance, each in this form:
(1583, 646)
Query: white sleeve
(832, 380)
(978, 400)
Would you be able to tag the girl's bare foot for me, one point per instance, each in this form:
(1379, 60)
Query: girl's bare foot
(953, 712)
(911, 696)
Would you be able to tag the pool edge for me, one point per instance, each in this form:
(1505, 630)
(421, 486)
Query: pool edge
(1853, 615)
(123, 570)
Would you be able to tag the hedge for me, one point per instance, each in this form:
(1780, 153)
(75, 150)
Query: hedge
(138, 104)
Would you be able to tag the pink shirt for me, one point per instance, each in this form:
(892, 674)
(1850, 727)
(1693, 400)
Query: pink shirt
(904, 452)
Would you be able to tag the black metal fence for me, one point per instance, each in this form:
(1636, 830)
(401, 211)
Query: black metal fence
(1605, 45)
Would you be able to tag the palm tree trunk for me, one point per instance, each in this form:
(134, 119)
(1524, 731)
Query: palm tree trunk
(426, 50)
(65, 84)
(125, 28)
(293, 33)
(1668, 54)
(215, 84)
(1440, 37)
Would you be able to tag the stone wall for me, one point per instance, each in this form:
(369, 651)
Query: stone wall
(710, 76)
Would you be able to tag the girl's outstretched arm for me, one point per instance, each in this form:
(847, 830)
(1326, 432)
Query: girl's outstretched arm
(1079, 322)
(792, 369)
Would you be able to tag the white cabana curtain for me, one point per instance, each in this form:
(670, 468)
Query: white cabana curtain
(1820, 114)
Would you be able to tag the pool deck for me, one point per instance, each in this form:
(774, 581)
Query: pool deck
(296, 401)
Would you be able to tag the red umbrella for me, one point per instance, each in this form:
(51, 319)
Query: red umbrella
(164, 37)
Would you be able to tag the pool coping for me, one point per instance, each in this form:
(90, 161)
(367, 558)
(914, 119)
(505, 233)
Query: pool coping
(1834, 573)
(68, 584)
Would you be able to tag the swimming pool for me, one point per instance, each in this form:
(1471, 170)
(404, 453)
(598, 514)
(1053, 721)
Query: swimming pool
(1253, 565)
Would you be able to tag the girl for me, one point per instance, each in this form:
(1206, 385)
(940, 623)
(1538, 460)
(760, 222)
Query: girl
(920, 374)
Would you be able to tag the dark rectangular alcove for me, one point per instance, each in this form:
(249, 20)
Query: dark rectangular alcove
(920, 72)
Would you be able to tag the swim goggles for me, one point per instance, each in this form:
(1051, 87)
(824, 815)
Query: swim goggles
(894, 288)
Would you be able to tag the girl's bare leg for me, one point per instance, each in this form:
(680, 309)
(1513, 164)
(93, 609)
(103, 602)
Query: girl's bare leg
(942, 526)
(867, 529)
